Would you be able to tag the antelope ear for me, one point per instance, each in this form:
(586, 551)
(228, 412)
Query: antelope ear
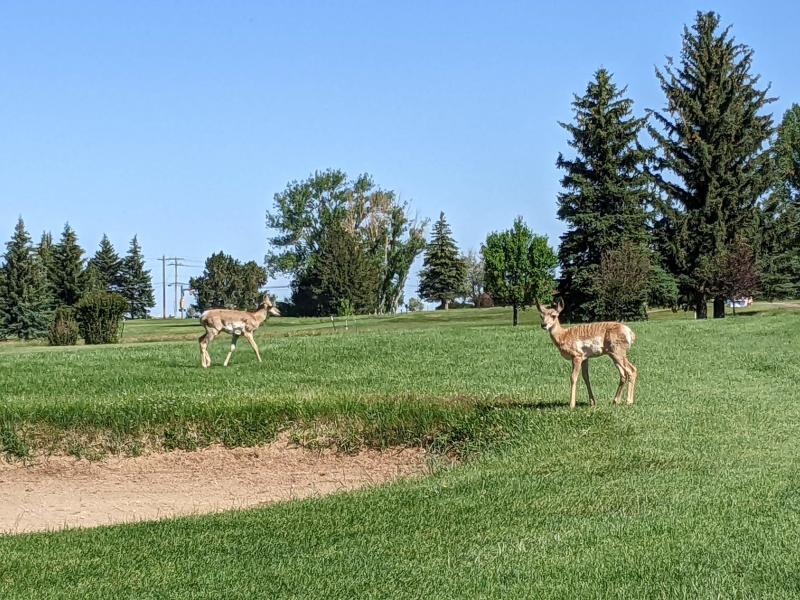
(539, 307)
(559, 305)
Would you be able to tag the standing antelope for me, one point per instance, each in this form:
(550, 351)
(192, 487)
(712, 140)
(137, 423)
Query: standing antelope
(237, 323)
(582, 342)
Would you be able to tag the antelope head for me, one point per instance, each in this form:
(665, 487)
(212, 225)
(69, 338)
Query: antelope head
(267, 305)
(550, 315)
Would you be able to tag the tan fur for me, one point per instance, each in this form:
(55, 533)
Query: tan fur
(237, 323)
(581, 342)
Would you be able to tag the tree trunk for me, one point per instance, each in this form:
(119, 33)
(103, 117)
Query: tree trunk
(516, 311)
(719, 307)
(700, 307)
(445, 305)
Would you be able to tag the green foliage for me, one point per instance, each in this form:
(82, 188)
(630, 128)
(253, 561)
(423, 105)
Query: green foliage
(64, 328)
(99, 316)
(67, 264)
(342, 271)
(415, 305)
(663, 289)
(45, 253)
(713, 166)
(780, 262)
(737, 273)
(24, 299)
(604, 199)
(622, 283)
(228, 283)
(444, 272)
(519, 267)
(474, 284)
(107, 266)
(136, 284)
(374, 217)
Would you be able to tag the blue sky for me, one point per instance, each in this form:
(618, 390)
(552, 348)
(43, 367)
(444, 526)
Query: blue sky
(179, 121)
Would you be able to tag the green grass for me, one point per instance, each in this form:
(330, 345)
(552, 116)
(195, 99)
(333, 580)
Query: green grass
(692, 493)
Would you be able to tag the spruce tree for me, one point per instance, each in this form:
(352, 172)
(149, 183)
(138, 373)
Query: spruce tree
(68, 268)
(443, 272)
(605, 193)
(780, 263)
(45, 252)
(136, 284)
(713, 167)
(24, 310)
(108, 266)
(344, 274)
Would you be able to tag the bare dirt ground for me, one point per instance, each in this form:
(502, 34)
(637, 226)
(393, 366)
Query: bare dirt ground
(59, 492)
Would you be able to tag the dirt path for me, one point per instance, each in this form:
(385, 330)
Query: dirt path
(63, 492)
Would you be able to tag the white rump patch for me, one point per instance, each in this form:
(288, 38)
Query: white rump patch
(628, 335)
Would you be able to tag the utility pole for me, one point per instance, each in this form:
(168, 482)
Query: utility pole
(164, 284)
(174, 260)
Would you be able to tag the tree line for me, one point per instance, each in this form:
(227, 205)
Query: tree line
(697, 201)
(708, 210)
(37, 280)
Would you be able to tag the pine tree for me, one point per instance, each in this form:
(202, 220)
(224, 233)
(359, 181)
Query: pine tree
(713, 167)
(45, 252)
(136, 284)
(605, 192)
(24, 310)
(108, 265)
(344, 274)
(443, 271)
(780, 263)
(68, 268)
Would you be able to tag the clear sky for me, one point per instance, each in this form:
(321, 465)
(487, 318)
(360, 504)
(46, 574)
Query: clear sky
(178, 121)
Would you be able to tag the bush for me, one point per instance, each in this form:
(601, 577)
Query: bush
(63, 330)
(99, 317)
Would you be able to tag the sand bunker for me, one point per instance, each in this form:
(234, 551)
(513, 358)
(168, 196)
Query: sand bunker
(59, 492)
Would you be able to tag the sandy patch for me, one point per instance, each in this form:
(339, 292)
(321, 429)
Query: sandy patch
(59, 492)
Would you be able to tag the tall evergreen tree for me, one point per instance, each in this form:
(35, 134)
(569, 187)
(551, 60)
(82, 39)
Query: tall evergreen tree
(24, 310)
(108, 266)
(67, 276)
(713, 168)
(444, 271)
(780, 263)
(45, 252)
(136, 284)
(344, 274)
(605, 193)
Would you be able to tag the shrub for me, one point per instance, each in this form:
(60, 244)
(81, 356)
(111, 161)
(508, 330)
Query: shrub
(99, 317)
(64, 329)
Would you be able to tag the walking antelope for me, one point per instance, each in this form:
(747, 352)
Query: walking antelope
(582, 342)
(237, 323)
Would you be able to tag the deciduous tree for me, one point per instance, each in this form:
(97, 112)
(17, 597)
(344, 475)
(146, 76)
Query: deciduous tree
(519, 267)
(228, 283)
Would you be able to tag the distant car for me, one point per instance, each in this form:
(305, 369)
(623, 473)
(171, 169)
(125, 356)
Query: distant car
(740, 302)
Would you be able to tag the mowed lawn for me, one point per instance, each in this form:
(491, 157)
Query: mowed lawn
(692, 493)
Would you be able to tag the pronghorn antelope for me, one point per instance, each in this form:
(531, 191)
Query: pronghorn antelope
(237, 323)
(582, 342)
